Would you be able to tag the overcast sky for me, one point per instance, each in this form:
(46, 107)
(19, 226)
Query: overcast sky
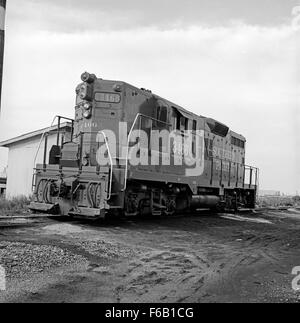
(233, 60)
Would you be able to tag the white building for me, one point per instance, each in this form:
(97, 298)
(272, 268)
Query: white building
(23, 154)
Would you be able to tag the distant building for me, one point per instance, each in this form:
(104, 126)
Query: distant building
(263, 193)
(22, 152)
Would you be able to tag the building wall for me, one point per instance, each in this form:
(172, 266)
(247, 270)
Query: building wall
(3, 183)
(269, 193)
(21, 164)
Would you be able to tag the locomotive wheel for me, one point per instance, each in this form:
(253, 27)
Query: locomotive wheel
(170, 205)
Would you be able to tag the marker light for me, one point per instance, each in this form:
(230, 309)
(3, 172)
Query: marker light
(87, 114)
(117, 88)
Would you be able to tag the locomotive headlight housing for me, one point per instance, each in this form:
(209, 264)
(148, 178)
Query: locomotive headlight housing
(87, 114)
(89, 78)
(87, 110)
(117, 88)
(85, 92)
(87, 106)
(85, 160)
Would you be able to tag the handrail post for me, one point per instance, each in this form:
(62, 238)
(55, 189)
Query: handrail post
(212, 171)
(256, 176)
(58, 131)
(45, 151)
(128, 142)
(229, 182)
(111, 163)
(251, 174)
(72, 130)
(43, 135)
(221, 175)
(81, 150)
(127, 151)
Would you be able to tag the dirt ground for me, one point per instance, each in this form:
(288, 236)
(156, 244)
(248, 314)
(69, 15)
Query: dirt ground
(247, 257)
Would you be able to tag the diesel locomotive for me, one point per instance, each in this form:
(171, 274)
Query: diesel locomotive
(132, 152)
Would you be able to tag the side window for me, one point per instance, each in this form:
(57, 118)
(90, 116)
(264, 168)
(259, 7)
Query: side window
(158, 113)
(187, 124)
(237, 142)
(182, 123)
(177, 118)
(162, 113)
(194, 125)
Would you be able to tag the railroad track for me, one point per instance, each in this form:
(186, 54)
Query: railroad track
(240, 211)
(29, 217)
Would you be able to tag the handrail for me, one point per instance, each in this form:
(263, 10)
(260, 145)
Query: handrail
(246, 168)
(127, 152)
(111, 163)
(44, 133)
(233, 162)
(43, 136)
(128, 141)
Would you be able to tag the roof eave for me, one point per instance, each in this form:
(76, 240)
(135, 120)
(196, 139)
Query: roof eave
(9, 142)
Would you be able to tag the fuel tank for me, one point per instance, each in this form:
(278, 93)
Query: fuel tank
(202, 201)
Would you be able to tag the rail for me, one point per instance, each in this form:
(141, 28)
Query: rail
(246, 168)
(250, 173)
(48, 130)
(45, 136)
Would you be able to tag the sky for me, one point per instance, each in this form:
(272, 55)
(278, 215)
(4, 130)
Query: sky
(233, 60)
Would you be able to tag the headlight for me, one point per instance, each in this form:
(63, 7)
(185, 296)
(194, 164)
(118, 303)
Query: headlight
(87, 106)
(83, 91)
(85, 161)
(87, 114)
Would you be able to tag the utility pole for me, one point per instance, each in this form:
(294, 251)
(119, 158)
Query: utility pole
(2, 36)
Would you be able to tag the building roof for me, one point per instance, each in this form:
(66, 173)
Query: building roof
(33, 134)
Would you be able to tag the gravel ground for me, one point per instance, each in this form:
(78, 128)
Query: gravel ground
(203, 258)
(106, 249)
(24, 259)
